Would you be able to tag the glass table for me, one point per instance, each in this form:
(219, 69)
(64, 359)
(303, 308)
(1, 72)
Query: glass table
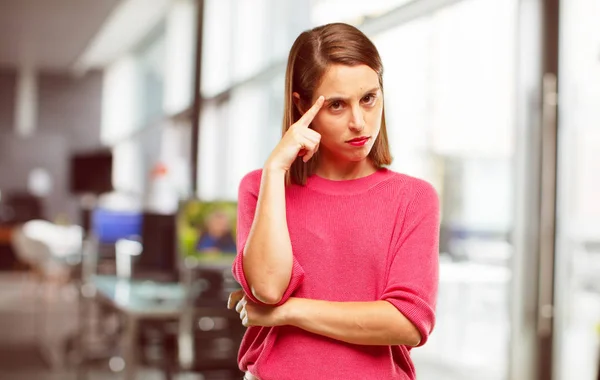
(135, 300)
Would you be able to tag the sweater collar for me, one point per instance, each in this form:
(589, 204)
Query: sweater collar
(350, 186)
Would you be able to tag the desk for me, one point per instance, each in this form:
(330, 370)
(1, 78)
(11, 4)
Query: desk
(136, 300)
(141, 298)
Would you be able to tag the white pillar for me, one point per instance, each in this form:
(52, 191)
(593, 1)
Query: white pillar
(26, 105)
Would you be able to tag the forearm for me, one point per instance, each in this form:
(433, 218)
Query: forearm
(366, 323)
(268, 252)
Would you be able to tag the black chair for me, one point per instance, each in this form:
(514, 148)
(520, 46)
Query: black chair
(209, 333)
(21, 207)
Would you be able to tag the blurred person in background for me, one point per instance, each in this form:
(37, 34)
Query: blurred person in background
(217, 235)
(337, 255)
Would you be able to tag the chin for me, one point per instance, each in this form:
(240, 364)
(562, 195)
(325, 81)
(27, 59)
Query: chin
(344, 154)
(357, 157)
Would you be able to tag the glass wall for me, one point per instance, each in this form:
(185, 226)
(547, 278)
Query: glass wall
(246, 46)
(577, 282)
(144, 91)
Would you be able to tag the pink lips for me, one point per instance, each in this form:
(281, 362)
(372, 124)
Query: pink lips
(359, 141)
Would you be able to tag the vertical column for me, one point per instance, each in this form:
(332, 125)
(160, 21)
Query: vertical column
(26, 106)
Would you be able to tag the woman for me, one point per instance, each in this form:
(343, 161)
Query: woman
(337, 256)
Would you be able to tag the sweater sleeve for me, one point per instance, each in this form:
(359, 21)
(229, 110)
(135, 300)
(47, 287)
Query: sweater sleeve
(247, 200)
(412, 283)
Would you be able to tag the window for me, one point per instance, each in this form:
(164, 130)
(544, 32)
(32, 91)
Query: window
(246, 46)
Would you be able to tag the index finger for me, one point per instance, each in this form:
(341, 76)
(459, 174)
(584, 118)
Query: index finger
(309, 115)
(234, 297)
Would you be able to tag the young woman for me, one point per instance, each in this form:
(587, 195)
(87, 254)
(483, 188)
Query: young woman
(337, 256)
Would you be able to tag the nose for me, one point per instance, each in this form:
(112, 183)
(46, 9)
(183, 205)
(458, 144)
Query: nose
(357, 123)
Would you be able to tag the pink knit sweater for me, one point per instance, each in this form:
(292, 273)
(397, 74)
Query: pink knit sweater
(367, 239)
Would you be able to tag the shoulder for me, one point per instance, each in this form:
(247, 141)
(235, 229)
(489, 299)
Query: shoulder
(415, 190)
(251, 181)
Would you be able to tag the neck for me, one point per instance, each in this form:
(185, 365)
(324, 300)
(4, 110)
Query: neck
(344, 170)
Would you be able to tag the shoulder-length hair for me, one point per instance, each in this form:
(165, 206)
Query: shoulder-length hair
(310, 56)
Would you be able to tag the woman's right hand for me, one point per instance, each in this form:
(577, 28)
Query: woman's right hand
(299, 140)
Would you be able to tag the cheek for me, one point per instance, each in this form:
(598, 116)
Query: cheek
(374, 119)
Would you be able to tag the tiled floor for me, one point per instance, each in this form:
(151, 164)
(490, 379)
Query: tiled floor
(20, 360)
(454, 351)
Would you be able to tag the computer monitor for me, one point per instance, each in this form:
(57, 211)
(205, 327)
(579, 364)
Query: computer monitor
(91, 172)
(159, 258)
(206, 231)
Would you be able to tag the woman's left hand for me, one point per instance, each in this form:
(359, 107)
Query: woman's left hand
(253, 314)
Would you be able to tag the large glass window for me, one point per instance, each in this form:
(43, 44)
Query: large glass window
(246, 46)
(211, 165)
(577, 283)
(217, 55)
(143, 91)
(120, 100)
(179, 50)
(151, 66)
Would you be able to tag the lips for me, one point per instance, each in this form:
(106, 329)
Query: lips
(358, 141)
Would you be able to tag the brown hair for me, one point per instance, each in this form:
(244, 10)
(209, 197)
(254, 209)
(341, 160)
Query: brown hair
(311, 54)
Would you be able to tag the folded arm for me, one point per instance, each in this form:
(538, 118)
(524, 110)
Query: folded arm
(365, 323)
(267, 257)
(265, 265)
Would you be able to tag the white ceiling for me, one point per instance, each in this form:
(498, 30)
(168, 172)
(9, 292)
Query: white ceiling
(49, 34)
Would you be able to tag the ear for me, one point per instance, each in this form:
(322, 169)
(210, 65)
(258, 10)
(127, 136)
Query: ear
(298, 102)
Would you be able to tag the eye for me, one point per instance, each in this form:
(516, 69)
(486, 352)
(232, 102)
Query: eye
(369, 99)
(335, 105)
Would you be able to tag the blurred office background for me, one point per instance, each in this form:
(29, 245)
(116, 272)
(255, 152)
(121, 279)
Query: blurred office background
(495, 102)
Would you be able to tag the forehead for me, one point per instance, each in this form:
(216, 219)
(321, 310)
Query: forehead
(347, 80)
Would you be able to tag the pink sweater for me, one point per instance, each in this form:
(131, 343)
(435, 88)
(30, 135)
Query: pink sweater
(368, 239)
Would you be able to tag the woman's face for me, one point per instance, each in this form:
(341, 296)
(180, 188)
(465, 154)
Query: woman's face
(350, 119)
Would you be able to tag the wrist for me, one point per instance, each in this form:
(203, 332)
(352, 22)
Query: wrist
(290, 312)
(274, 170)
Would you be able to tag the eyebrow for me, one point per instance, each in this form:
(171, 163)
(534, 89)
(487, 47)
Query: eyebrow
(341, 98)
